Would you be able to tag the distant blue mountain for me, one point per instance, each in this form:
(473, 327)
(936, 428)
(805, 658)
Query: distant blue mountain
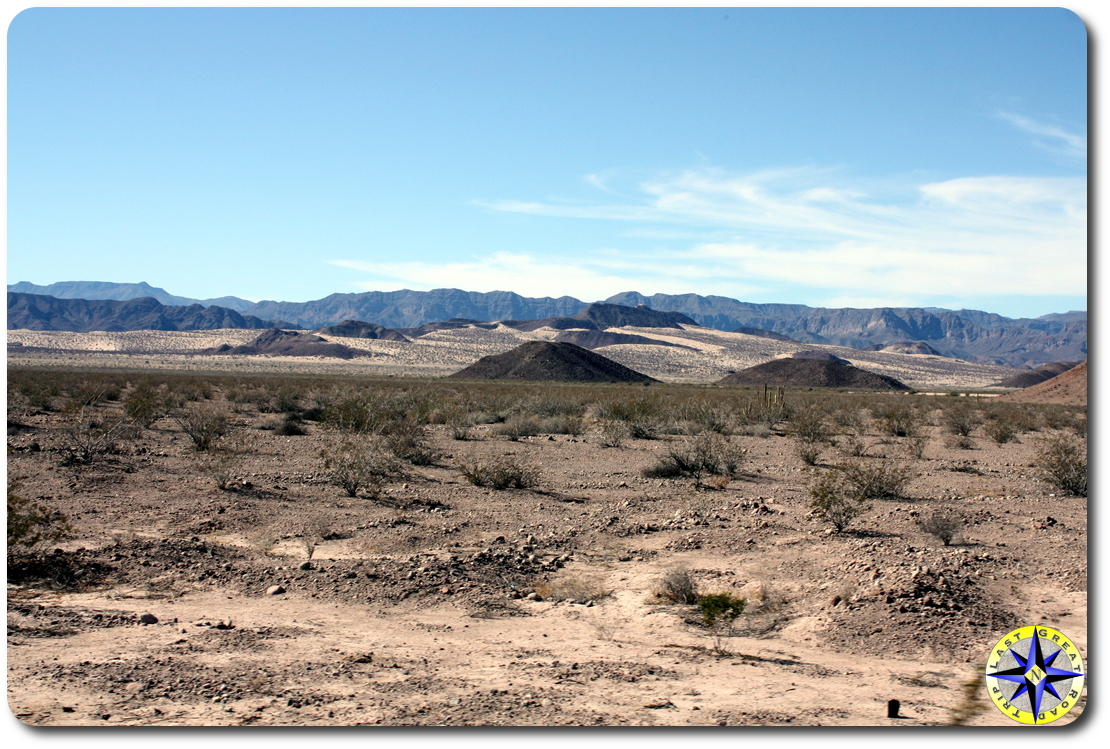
(121, 292)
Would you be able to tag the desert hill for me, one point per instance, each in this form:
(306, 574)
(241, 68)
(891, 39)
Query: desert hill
(814, 354)
(811, 373)
(546, 361)
(359, 329)
(1038, 375)
(1069, 388)
(276, 342)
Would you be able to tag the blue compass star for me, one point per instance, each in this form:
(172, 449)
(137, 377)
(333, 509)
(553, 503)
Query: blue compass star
(1035, 673)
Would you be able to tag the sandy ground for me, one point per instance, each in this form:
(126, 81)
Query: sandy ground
(711, 355)
(442, 603)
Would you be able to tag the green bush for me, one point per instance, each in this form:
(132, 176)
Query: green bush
(719, 611)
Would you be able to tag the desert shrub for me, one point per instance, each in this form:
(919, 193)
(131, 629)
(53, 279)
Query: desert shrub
(31, 523)
(706, 454)
(145, 404)
(697, 415)
(504, 472)
(193, 389)
(520, 425)
(204, 424)
(942, 525)
(768, 409)
(572, 588)
(1062, 461)
(643, 416)
(409, 442)
(359, 464)
(959, 442)
(40, 395)
(807, 423)
(678, 586)
(961, 419)
(898, 419)
(289, 426)
(876, 480)
(848, 419)
(369, 411)
(853, 445)
(1001, 428)
(92, 393)
(719, 612)
(914, 447)
(566, 424)
(809, 452)
(613, 433)
(836, 500)
(223, 460)
(86, 436)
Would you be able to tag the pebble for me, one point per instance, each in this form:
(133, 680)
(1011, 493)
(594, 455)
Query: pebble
(275, 590)
(148, 619)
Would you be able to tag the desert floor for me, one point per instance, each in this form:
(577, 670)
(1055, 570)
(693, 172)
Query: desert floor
(443, 603)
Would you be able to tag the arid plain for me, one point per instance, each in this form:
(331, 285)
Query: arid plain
(430, 599)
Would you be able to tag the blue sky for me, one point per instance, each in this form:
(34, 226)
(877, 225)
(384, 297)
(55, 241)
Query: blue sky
(830, 157)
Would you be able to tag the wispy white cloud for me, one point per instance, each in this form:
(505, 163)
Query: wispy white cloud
(806, 234)
(1050, 137)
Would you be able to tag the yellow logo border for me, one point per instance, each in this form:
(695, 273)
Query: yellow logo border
(998, 696)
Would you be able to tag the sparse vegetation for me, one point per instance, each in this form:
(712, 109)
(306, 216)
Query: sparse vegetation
(1062, 461)
(204, 424)
(835, 499)
(504, 472)
(706, 454)
(942, 525)
(359, 463)
(678, 586)
(31, 523)
(876, 480)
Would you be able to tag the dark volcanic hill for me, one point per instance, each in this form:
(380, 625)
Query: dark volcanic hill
(276, 342)
(817, 355)
(1038, 375)
(37, 312)
(359, 329)
(594, 339)
(799, 373)
(544, 361)
(453, 324)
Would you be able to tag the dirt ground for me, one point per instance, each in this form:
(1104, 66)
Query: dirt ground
(444, 603)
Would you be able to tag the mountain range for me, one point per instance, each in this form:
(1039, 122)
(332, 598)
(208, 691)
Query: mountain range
(972, 335)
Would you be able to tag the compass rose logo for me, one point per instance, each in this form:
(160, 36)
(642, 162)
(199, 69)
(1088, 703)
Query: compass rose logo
(1035, 675)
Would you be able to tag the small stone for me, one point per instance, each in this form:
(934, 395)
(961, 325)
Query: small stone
(275, 590)
(148, 619)
(305, 566)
